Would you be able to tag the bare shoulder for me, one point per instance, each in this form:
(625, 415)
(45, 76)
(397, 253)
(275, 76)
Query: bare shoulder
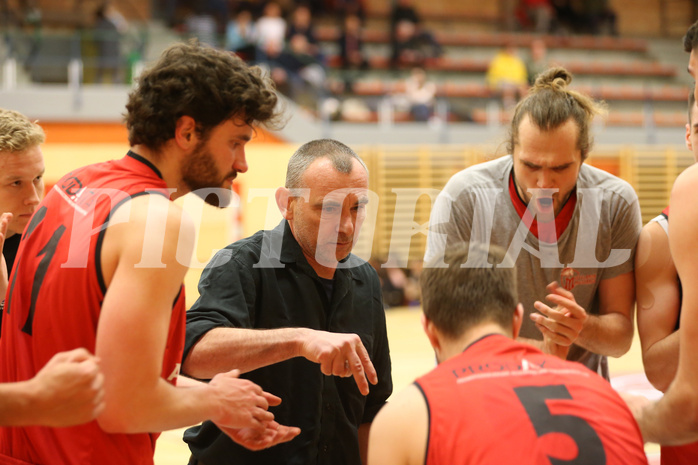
(685, 183)
(652, 249)
(400, 430)
(154, 210)
(148, 229)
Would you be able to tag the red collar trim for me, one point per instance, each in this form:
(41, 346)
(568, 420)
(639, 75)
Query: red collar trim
(562, 220)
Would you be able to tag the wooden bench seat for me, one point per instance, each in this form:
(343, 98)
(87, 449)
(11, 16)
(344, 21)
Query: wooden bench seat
(471, 39)
(481, 90)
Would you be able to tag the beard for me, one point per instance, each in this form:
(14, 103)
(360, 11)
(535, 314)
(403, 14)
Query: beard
(201, 176)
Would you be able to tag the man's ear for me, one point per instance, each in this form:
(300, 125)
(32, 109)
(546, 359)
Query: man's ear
(689, 145)
(431, 333)
(185, 132)
(283, 199)
(517, 320)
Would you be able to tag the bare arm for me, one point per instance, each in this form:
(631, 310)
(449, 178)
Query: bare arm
(399, 432)
(67, 391)
(674, 418)
(133, 327)
(658, 301)
(223, 349)
(611, 332)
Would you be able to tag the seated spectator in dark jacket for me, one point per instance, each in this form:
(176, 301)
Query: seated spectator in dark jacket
(302, 24)
(351, 44)
(413, 47)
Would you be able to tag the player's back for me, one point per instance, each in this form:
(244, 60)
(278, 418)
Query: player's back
(501, 401)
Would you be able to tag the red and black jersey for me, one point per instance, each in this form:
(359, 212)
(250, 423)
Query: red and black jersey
(502, 401)
(54, 301)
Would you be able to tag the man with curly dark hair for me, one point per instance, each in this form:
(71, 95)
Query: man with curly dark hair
(100, 266)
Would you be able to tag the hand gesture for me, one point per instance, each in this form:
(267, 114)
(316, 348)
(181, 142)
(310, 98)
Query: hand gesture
(68, 389)
(243, 404)
(255, 439)
(560, 325)
(552, 348)
(340, 355)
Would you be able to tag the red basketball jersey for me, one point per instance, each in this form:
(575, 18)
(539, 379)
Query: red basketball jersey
(502, 401)
(54, 302)
(679, 455)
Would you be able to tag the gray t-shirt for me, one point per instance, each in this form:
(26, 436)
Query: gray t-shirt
(598, 243)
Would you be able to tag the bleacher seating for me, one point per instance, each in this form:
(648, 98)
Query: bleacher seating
(618, 70)
(475, 65)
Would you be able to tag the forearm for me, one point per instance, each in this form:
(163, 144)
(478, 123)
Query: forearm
(16, 407)
(661, 361)
(225, 349)
(673, 419)
(610, 334)
(160, 408)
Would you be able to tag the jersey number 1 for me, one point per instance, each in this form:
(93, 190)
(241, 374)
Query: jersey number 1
(48, 251)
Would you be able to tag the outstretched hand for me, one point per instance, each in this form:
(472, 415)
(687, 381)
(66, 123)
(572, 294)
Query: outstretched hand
(243, 404)
(562, 324)
(256, 439)
(244, 416)
(342, 355)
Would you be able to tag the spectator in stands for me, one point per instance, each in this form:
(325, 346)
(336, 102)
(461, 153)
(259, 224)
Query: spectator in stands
(535, 15)
(567, 17)
(241, 35)
(421, 94)
(507, 76)
(201, 24)
(538, 60)
(599, 17)
(351, 44)
(271, 32)
(413, 292)
(412, 46)
(402, 10)
(296, 72)
(411, 43)
(302, 23)
(392, 280)
(343, 8)
(107, 38)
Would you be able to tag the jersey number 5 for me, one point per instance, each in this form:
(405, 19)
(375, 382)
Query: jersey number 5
(590, 450)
